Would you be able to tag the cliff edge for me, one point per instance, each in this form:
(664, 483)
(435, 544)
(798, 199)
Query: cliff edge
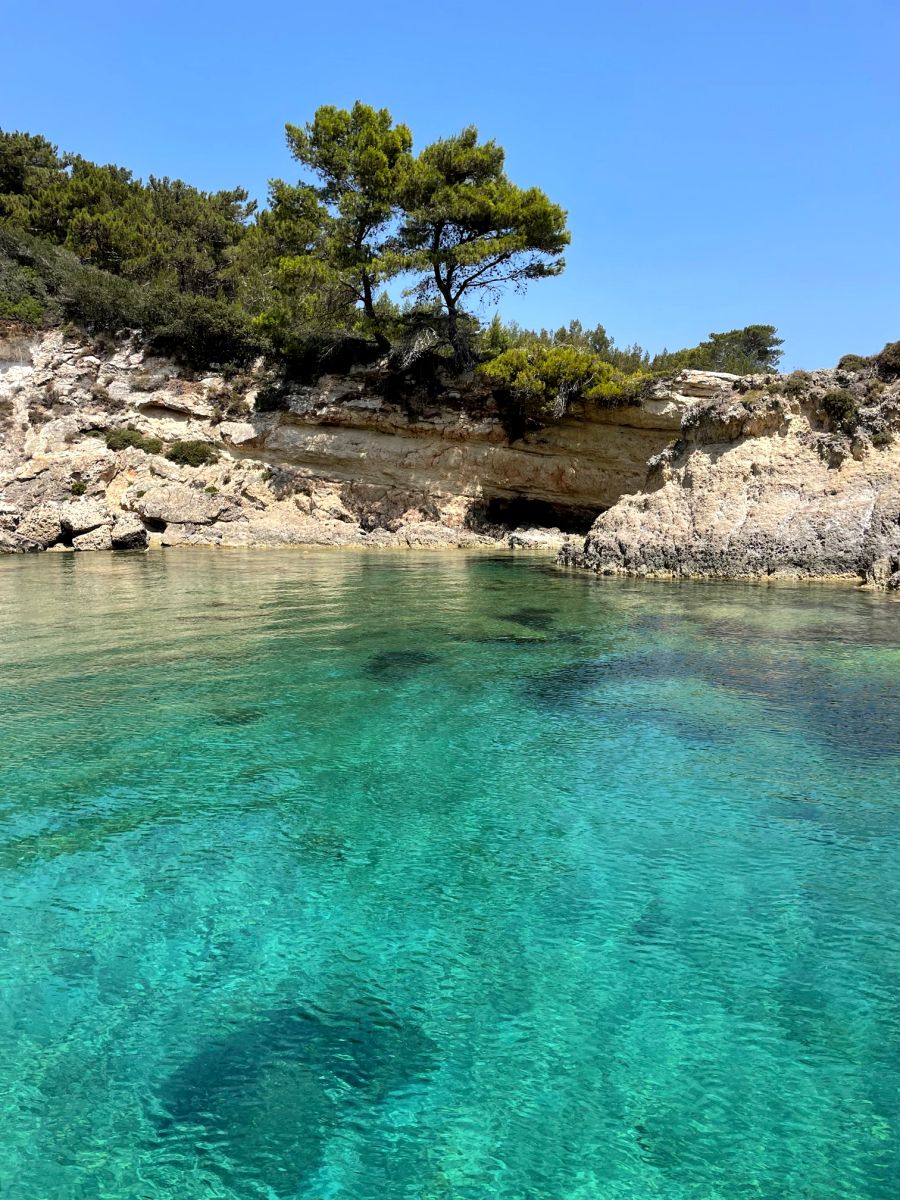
(772, 477)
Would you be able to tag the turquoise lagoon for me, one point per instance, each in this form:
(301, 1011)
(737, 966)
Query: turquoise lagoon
(445, 877)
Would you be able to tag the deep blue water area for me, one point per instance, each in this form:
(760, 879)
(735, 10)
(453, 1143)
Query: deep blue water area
(444, 876)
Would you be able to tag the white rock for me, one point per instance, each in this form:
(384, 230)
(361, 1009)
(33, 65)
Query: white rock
(237, 432)
(128, 533)
(97, 539)
(41, 525)
(80, 516)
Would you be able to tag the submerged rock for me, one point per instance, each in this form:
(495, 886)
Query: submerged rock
(397, 664)
(259, 1105)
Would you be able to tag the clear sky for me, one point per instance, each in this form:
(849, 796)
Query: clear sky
(722, 162)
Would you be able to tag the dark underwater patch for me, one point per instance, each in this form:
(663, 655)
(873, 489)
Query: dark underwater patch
(530, 618)
(797, 810)
(260, 1104)
(571, 685)
(859, 718)
(397, 664)
(237, 716)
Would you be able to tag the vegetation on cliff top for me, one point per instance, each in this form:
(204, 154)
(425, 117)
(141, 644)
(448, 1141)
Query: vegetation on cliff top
(213, 280)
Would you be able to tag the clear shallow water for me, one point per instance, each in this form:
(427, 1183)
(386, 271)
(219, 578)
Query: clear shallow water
(392, 876)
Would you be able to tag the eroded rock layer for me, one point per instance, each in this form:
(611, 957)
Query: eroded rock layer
(361, 459)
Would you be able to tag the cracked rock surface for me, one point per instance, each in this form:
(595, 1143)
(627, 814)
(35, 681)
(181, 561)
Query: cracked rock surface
(763, 483)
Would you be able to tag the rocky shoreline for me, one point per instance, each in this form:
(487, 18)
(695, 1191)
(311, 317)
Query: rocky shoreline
(357, 459)
(710, 475)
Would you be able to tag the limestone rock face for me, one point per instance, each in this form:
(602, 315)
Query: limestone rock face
(42, 525)
(344, 461)
(761, 490)
(12, 543)
(709, 474)
(98, 539)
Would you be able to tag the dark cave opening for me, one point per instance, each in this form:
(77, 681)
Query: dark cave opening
(521, 511)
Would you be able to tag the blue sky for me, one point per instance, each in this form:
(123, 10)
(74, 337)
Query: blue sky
(722, 163)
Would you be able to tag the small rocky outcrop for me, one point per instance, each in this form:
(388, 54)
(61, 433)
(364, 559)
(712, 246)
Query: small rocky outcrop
(787, 477)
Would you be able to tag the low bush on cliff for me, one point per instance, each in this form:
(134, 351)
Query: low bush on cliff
(853, 362)
(192, 454)
(841, 409)
(124, 439)
(888, 361)
(748, 351)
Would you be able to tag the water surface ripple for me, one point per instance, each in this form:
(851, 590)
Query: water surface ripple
(444, 877)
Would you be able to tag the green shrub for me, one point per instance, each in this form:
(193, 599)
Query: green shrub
(267, 474)
(44, 284)
(888, 361)
(28, 310)
(199, 331)
(192, 454)
(841, 409)
(122, 439)
(853, 362)
(546, 379)
(211, 491)
(79, 487)
(795, 384)
(884, 437)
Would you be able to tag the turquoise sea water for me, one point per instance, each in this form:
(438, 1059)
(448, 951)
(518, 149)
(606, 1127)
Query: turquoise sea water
(444, 877)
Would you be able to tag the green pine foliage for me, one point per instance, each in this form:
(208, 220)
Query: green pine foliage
(212, 281)
(545, 379)
(467, 231)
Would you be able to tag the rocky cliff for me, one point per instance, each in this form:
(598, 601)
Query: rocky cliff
(711, 474)
(367, 458)
(791, 477)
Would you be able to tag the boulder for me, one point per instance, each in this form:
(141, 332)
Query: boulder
(98, 539)
(535, 539)
(128, 533)
(178, 505)
(12, 543)
(42, 525)
(81, 516)
(237, 432)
